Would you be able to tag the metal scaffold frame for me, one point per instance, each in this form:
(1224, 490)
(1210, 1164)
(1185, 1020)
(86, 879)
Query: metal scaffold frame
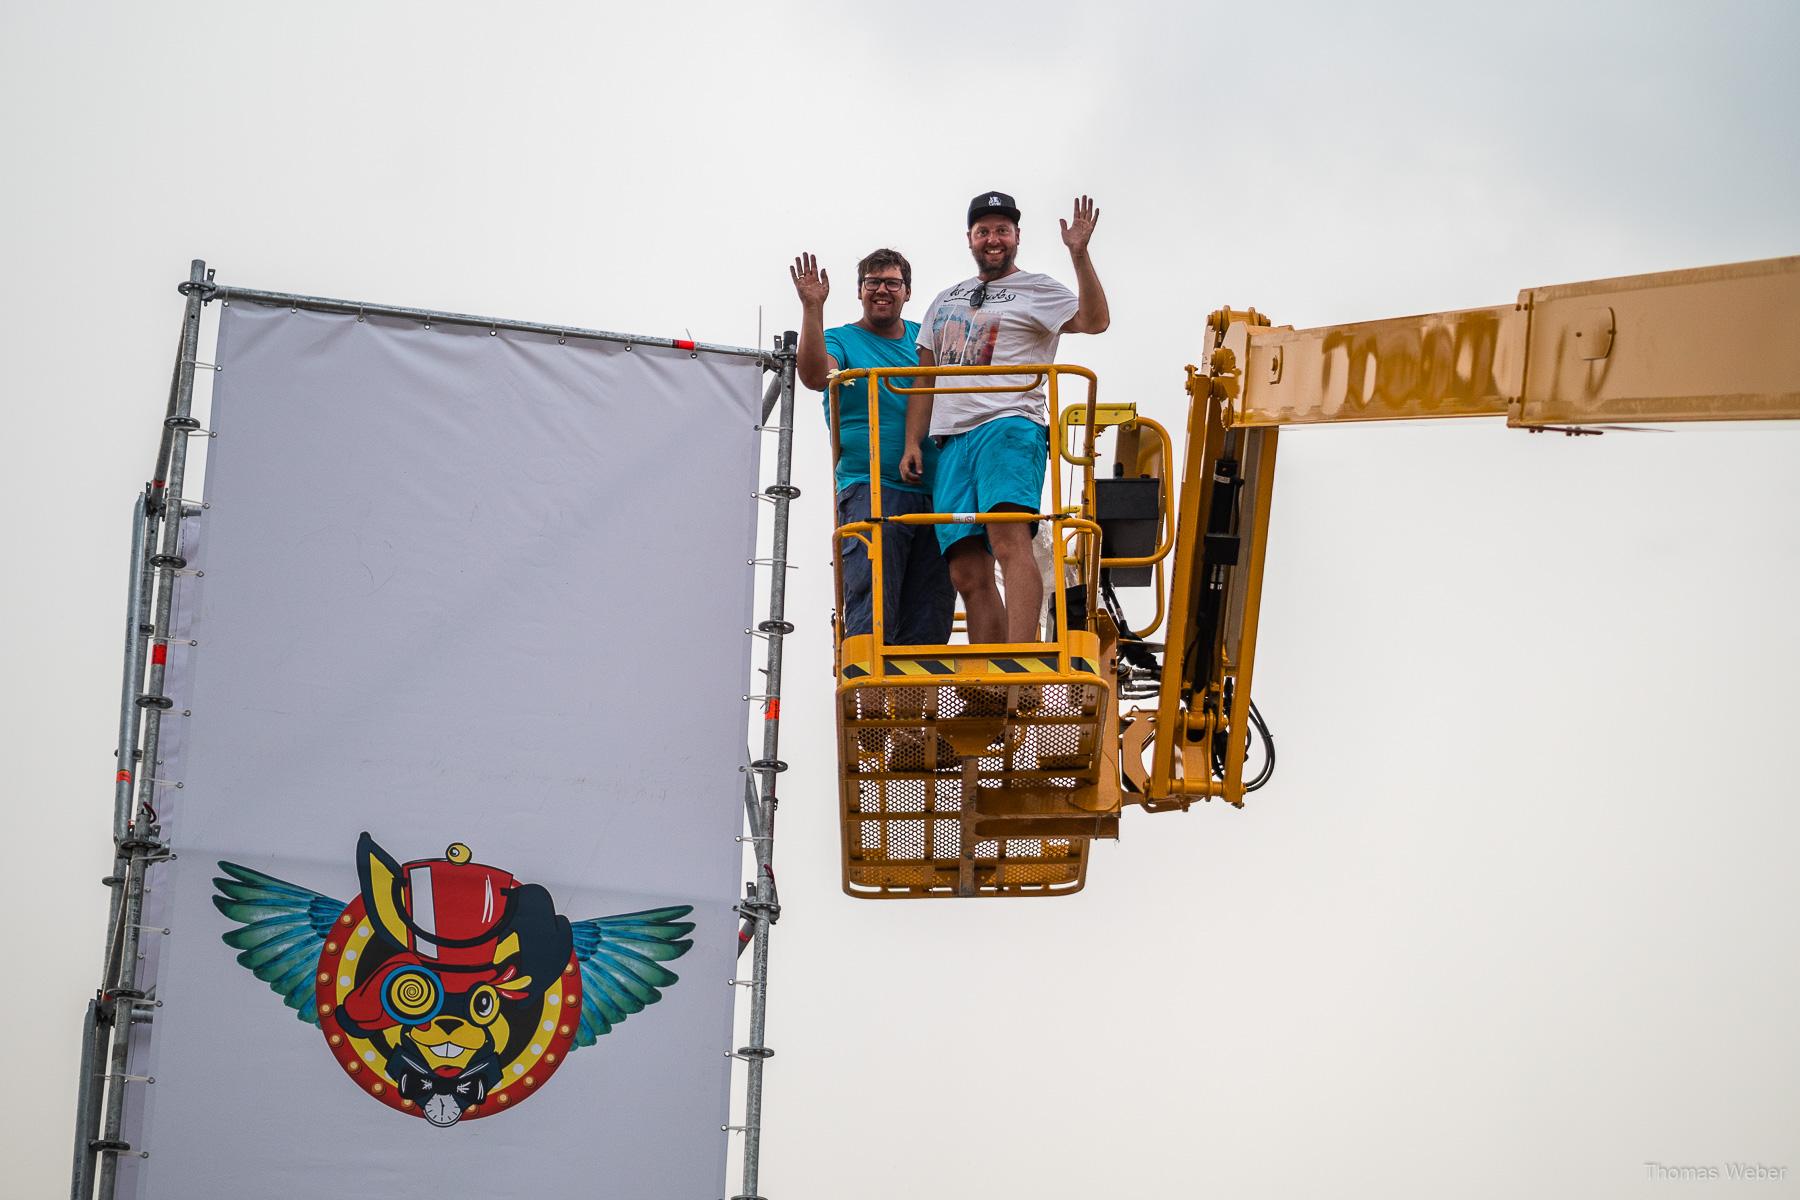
(761, 907)
(122, 1002)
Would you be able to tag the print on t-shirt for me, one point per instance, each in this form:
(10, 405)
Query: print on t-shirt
(1018, 321)
(965, 336)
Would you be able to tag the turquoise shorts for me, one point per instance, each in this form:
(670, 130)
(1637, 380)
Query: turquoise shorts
(995, 466)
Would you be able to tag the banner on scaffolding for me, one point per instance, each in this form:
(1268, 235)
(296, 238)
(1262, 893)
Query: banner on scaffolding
(452, 771)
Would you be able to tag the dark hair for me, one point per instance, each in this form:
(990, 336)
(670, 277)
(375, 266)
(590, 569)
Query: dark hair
(884, 258)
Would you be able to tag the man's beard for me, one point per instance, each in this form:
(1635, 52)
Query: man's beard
(876, 320)
(986, 272)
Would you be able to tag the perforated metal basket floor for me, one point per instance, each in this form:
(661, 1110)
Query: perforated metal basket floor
(970, 789)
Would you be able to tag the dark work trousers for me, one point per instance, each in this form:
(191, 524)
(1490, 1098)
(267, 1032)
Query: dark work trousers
(918, 602)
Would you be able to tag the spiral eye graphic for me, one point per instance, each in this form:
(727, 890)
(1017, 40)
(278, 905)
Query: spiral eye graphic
(484, 1004)
(412, 996)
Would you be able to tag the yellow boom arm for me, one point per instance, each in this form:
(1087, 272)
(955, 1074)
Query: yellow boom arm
(1712, 344)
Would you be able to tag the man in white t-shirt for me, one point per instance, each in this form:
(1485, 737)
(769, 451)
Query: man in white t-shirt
(995, 445)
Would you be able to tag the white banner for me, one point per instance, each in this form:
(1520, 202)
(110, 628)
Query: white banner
(452, 770)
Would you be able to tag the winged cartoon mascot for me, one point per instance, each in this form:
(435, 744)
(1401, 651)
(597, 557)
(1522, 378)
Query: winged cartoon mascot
(447, 989)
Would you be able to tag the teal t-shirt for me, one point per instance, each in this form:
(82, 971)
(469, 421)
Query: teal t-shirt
(855, 348)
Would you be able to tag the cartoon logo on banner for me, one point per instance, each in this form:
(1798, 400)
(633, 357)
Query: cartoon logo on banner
(447, 989)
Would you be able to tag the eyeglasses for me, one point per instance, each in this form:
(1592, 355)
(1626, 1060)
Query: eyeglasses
(883, 284)
(978, 297)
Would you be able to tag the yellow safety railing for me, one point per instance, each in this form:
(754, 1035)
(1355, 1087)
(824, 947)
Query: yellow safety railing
(1065, 521)
(1126, 417)
(1166, 531)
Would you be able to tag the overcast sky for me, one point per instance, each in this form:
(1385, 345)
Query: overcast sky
(1518, 912)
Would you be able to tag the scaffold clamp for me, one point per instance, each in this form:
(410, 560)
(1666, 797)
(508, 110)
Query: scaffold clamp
(751, 909)
(751, 1053)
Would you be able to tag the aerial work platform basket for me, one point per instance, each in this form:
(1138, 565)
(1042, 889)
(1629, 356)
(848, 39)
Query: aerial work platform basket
(981, 769)
(973, 773)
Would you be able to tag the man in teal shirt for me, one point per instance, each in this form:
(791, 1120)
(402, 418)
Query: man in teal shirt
(917, 599)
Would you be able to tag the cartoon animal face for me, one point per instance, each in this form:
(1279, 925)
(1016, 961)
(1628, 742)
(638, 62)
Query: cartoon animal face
(452, 1041)
(448, 1064)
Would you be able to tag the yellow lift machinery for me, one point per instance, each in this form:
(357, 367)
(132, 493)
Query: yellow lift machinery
(986, 770)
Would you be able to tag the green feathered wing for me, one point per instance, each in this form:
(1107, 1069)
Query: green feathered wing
(621, 969)
(281, 929)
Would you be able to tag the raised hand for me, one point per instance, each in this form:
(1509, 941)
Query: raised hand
(1075, 234)
(811, 283)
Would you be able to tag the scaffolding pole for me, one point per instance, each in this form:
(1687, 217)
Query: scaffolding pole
(761, 908)
(156, 560)
(431, 316)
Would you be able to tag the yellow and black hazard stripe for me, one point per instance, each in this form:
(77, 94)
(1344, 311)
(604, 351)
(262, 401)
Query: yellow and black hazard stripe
(918, 667)
(1021, 666)
(905, 666)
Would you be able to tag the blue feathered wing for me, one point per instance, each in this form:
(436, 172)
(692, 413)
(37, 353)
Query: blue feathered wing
(621, 969)
(282, 928)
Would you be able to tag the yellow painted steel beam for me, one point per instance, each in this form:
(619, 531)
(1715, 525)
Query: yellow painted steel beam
(1244, 613)
(1205, 438)
(1710, 344)
(1451, 364)
(1104, 415)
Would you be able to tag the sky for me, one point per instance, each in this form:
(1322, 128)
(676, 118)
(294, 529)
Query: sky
(1518, 912)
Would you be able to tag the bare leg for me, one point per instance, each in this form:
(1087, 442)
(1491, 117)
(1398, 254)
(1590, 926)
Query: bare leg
(1024, 585)
(972, 573)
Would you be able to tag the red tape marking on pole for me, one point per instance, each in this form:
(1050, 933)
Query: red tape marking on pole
(122, 777)
(159, 654)
(772, 709)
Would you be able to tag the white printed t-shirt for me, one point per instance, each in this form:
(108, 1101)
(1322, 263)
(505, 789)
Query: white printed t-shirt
(1020, 322)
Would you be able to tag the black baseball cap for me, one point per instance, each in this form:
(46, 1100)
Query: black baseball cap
(993, 202)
